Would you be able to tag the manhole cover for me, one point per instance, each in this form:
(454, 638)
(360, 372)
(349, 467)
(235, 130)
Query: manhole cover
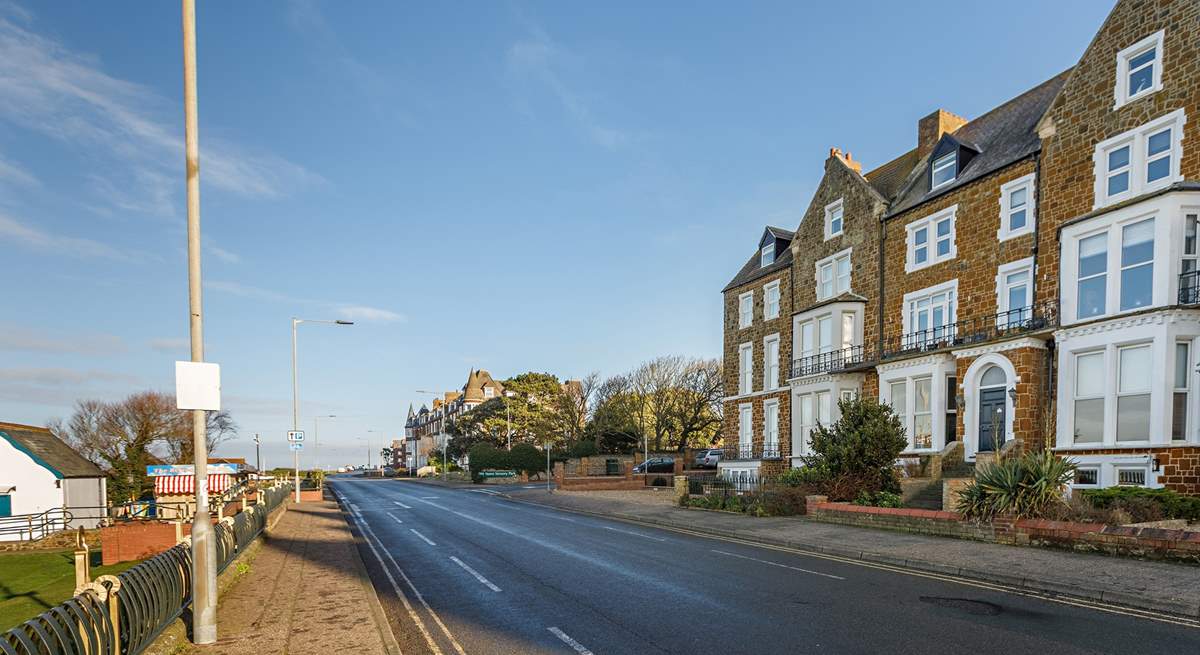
(976, 607)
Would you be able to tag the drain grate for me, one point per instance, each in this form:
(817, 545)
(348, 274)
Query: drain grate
(975, 607)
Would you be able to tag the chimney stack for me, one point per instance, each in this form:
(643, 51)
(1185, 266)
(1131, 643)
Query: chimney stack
(846, 159)
(932, 127)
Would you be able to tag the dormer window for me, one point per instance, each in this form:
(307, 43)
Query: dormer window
(767, 256)
(1139, 69)
(945, 169)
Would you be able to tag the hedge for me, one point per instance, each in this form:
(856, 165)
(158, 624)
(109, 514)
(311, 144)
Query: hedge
(1174, 505)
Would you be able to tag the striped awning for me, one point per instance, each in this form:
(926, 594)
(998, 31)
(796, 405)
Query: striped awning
(174, 485)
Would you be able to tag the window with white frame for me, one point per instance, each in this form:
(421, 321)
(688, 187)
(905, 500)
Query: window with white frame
(1089, 397)
(931, 240)
(899, 401)
(825, 334)
(847, 395)
(771, 428)
(1092, 276)
(944, 170)
(1131, 477)
(1140, 160)
(771, 300)
(1088, 476)
(814, 409)
(808, 342)
(833, 275)
(745, 426)
(767, 255)
(1139, 69)
(1191, 225)
(771, 362)
(1014, 293)
(1133, 393)
(834, 219)
(1180, 387)
(922, 435)
(951, 408)
(746, 309)
(1137, 265)
(929, 314)
(847, 333)
(1017, 210)
(745, 368)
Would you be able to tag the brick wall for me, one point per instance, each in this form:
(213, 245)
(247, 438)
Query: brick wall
(1083, 113)
(1150, 543)
(1179, 467)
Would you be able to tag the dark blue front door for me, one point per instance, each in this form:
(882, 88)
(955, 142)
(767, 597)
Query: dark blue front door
(991, 419)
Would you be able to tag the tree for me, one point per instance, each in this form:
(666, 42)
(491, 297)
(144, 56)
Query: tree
(613, 426)
(575, 405)
(123, 437)
(655, 383)
(387, 456)
(697, 403)
(858, 452)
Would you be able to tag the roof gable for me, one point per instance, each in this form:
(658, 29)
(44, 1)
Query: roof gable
(49, 451)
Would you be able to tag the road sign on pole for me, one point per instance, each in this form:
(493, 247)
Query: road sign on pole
(296, 445)
(295, 436)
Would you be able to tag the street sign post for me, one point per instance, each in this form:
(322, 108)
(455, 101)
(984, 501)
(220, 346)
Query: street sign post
(296, 443)
(295, 435)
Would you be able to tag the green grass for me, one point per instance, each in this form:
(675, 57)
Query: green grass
(31, 583)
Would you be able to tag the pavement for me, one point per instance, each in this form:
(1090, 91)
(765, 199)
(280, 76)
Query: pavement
(1157, 587)
(469, 570)
(306, 592)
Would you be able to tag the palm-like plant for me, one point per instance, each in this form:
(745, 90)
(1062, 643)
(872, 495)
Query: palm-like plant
(1025, 486)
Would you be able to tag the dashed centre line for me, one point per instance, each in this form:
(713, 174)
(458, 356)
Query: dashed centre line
(487, 583)
(782, 566)
(578, 647)
(423, 537)
(401, 504)
(636, 534)
(395, 518)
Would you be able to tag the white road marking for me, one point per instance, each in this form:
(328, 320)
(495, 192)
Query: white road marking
(569, 641)
(487, 583)
(489, 492)
(412, 613)
(782, 566)
(429, 497)
(394, 518)
(636, 534)
(401, 504)
(423, 537)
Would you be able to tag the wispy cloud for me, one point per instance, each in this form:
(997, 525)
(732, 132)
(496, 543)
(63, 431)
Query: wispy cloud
(61, 376)
(25, 235)
(15, 338)
(50, 89)
(539, 58)
(10, 172)
(169, 344)
(348, 311)
(222, 254)
(373, 314)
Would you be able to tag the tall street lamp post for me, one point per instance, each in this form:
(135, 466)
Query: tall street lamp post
(296, 391)
(204, 546)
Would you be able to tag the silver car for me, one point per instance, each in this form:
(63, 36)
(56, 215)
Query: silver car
(707, 459)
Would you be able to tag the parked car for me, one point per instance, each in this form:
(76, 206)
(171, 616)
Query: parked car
(656, 465)
(707, 459)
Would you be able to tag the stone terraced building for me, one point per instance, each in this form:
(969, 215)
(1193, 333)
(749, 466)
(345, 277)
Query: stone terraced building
(1027, 278)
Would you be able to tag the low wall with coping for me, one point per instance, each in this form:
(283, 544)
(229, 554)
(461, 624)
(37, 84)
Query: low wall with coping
(1130, 541)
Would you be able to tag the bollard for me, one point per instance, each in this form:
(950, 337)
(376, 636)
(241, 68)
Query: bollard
(83, 560)
(113, 585)
(681, 489)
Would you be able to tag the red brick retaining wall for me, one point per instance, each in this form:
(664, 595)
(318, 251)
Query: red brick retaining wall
(1150, 543)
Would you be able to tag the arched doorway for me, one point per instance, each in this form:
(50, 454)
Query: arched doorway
(992, 413)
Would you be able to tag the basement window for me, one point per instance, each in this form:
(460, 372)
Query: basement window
(1131, 477)
(1087, 477)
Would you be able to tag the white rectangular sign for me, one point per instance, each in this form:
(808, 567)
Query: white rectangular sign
(296, 445)
(198, 386)
(295, 435)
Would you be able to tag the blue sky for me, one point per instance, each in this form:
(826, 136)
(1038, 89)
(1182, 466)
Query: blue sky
(559, 187)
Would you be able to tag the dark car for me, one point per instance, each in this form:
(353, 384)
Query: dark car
(656, 465)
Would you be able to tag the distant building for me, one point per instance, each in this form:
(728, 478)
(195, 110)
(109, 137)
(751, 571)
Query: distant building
(425, 429)
(38, 472)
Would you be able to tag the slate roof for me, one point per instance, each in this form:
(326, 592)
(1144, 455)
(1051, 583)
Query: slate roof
(752, 270)
(49, 450)
(888, 178)
(1002, 136)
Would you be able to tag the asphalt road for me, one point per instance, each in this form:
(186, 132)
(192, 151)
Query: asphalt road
(460, 571)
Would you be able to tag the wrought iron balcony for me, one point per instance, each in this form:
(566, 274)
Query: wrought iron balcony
(771, 451)
(830, 362)
(975, 330)
(1189, 288)
(742, 451)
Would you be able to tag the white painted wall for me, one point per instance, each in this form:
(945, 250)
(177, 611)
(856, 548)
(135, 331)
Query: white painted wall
(36, 487)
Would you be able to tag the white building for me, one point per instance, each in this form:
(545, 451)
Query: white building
(39, 473)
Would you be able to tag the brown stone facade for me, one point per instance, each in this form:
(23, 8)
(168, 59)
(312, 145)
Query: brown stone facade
(979, 253)
(758, 330)
(1033, 414)
(1083, 115)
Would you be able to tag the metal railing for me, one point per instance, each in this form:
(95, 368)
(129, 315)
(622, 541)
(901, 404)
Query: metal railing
(33, 527)
(1189, 288)
(770, 450)
(742, 451)
(830, 362)
(124, 614)
(974, 330)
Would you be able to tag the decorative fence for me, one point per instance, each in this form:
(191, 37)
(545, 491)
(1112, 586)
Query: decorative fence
(124, 614)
